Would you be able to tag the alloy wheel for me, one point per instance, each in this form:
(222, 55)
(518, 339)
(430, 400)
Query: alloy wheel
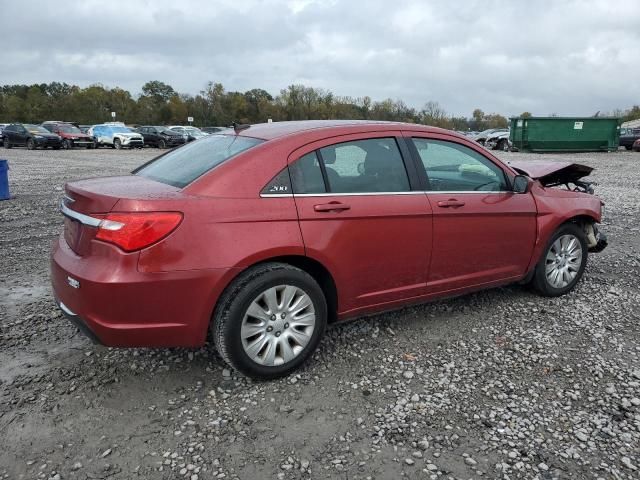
(563, 261)
(278, 325)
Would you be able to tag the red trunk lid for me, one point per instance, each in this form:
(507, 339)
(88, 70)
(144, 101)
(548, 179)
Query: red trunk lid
(98, 196)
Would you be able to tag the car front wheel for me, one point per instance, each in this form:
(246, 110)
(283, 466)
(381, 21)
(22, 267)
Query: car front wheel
(562, 263)
(31, 145)
(117, 144)
(270, 320)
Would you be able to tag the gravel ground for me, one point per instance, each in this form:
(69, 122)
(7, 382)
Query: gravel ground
(499, 384)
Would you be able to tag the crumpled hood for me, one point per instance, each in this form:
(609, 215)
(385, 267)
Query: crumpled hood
(551, 172)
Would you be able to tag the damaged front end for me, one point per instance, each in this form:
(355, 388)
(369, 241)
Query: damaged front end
(567, 176)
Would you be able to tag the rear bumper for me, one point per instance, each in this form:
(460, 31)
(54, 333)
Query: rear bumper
(118, 306)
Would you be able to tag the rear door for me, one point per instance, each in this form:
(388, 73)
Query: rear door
(482, 231)
(363, 215)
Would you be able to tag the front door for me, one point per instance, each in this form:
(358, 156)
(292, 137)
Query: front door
(482, 231)
(363, 218)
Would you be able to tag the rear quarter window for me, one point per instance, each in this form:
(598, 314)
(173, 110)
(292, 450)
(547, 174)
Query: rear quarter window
(183, 165)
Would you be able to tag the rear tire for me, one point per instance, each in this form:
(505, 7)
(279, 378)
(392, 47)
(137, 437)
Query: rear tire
(250, 324)
(562, 262)
(6, 143)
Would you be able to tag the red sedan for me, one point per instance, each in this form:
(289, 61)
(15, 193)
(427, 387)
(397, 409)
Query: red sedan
(258, 236)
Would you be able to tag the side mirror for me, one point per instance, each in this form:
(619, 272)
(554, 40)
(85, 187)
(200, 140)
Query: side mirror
(521, 184)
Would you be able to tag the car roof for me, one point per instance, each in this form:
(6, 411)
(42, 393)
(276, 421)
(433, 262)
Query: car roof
(270, 131)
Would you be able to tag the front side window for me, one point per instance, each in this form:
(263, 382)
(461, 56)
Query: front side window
(452, 167)
(182, 166)
(363, 166)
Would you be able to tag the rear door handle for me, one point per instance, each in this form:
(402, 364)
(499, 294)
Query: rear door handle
(452, 202)
(331, 207)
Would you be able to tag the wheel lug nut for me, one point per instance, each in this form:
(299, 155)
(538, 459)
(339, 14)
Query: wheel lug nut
(286, 325)
(277, 334)
(283, 315)
(273, 317)
(269, 329)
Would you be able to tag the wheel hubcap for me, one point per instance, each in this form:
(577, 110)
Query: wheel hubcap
(563, 261)
(278, 325)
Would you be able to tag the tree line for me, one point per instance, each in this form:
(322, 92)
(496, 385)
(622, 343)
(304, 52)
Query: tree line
(159, 104)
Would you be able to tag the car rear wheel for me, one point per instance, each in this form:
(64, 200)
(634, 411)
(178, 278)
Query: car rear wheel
(6, 143)
(269, 320)
(562, 263)
(117, 144)
(31, 145)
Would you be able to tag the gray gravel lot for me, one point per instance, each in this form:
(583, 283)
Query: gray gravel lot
(499, 384)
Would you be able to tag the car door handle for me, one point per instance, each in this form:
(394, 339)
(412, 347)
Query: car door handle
(331, 207)
(452, 202)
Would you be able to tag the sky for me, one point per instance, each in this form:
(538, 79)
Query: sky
(504, 56)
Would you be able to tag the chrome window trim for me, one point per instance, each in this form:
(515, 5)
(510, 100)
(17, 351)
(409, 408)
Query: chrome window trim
(368, 194)
(80, 217)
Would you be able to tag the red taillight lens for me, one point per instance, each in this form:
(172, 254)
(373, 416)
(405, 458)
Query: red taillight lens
(133, 231)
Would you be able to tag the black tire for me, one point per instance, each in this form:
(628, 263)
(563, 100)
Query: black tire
(67, 144)
(31, 145)
(229, 313)
(6, 143)
(162, 144)
(540, 281)
(117, 144)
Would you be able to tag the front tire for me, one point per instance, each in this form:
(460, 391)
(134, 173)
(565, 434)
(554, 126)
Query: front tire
(67, 144)
(31, 145)
(117, 144)
(562, 263)
(6, 143)
(269, 320)
(162, 144)
(503, 145)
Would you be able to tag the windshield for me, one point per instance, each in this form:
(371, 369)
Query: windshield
(183, 165)
(36, 129)
(69, 129)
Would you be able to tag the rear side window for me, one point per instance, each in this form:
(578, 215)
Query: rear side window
(183, 165)
(372, 165)
(306, 175)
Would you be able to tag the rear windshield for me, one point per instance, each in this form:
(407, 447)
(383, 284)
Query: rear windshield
(183, 165)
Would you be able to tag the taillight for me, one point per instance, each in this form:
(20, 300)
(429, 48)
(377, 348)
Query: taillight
(137, 230)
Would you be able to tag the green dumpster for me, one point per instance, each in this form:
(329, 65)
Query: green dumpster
(565, 134)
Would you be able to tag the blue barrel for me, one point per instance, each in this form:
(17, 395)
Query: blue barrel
(4, 180)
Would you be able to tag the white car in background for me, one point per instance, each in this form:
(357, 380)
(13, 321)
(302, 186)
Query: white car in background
(191, 133)
(116, 135)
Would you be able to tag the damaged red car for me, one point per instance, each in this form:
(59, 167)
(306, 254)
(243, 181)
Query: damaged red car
(258, 236)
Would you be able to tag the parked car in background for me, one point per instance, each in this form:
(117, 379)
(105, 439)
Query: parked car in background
(636, 146)
(84, 128)
(631, 135)
(481, 137)
(71, 135)
(498, 140)
(116, 135)
(192, 133)
(161, 137)
(257, 237)
(213, 129)
(2, 125)
(30, 136)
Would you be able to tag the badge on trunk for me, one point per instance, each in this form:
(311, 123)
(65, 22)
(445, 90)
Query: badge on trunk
(73, 282)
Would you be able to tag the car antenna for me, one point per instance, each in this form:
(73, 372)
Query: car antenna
(238, 127)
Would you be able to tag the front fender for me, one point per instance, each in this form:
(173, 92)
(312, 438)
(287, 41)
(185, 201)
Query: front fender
(555, 207)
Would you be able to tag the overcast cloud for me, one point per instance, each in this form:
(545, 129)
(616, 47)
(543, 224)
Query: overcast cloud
(565, 57)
